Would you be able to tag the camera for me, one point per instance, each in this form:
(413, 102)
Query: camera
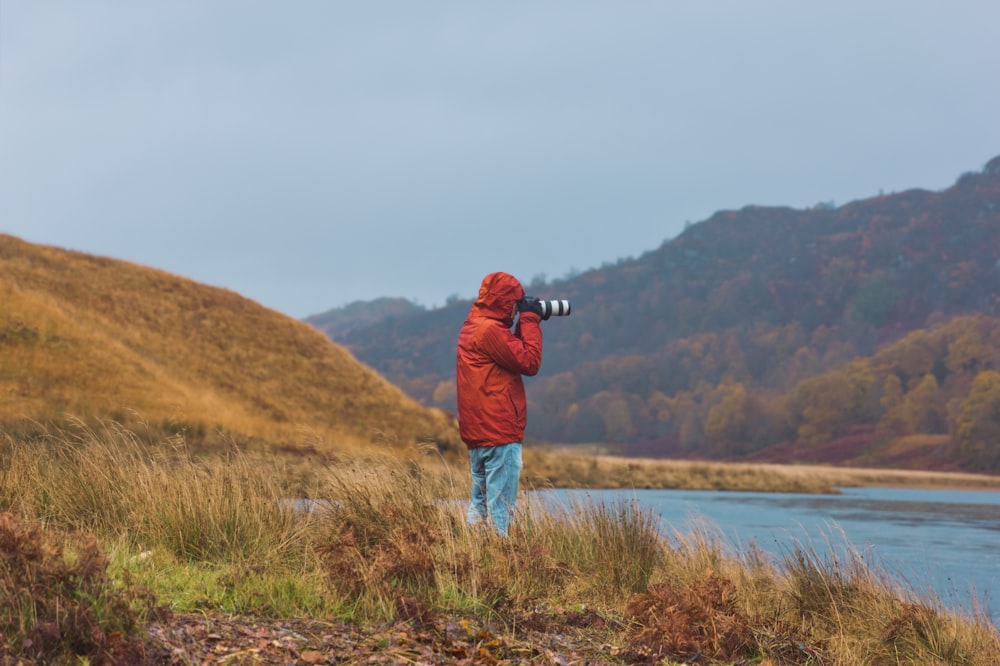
(544, 308)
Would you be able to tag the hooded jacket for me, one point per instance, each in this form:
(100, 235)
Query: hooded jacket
(490, 362)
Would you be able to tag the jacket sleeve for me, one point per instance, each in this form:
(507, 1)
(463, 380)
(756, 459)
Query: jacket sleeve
(520, 351)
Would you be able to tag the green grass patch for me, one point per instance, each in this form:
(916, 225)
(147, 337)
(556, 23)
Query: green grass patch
(227, 587)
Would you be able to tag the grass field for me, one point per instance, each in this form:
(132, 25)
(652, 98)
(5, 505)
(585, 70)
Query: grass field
(104, 534)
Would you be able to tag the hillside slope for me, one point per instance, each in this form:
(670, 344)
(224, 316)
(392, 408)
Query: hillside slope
(763, 298)
(95, 338)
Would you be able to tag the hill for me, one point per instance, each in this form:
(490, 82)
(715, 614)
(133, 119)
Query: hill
(94, 338)
(748, 308)
(337, 322)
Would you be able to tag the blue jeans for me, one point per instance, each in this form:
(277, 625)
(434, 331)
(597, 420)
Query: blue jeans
(496, 471)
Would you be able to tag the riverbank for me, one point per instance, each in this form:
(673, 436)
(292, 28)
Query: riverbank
(566, 468)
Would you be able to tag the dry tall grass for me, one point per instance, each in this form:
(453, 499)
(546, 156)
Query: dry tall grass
(109, 482)
(386, 538)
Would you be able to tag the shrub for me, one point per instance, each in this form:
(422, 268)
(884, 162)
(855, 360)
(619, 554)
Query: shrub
(57, 601)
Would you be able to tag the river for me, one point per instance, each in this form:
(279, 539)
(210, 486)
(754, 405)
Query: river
(946, 542)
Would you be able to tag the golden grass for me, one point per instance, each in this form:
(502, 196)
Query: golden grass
(103, 339)
(387, 538)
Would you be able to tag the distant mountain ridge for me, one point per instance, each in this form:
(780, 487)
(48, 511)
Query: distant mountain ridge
(763, 298)
(98, 339)
(338, 322)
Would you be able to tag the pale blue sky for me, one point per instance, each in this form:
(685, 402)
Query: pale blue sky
(310, 153)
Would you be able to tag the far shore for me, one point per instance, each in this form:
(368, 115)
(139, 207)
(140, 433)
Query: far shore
(566, 468)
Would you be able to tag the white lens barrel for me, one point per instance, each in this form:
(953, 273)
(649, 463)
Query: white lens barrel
(555, 308)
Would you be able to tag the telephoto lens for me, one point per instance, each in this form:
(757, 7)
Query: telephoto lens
(555, 308)
(544, 308)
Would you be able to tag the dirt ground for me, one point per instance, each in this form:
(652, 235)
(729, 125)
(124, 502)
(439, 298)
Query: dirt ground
(575, 638)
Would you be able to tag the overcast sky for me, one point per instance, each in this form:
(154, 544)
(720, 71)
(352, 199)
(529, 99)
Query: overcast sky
(307, 154)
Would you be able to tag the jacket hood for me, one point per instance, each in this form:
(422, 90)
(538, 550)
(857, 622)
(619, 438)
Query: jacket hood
(497, 294)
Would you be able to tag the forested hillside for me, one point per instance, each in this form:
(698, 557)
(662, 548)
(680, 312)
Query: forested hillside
(747, 333)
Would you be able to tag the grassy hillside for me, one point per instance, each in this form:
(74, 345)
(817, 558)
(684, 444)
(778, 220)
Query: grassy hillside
(95, 338)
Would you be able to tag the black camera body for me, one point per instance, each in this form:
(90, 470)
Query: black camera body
(544, 308)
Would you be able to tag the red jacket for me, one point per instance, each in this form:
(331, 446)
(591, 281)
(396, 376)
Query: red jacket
(491, 359)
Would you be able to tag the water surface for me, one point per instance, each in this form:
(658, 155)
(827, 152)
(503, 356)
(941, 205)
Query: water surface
(945, 542)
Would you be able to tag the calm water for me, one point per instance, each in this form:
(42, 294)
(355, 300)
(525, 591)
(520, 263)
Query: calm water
(942, 541)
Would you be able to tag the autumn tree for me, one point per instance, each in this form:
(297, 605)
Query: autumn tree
(893, 417)
(968, 350)
(924, 408)
(685, 410)
(915, 356)
(977, 432)
(727, 421)
(613, 409)
(827, 404)
(659, 406)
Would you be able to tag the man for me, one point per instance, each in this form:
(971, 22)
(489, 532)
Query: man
(491, 401)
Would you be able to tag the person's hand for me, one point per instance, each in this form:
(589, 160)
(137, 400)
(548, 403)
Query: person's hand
(533, 305)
